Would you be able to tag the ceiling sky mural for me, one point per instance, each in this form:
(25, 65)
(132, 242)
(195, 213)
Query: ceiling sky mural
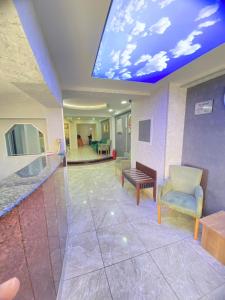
(146, 40)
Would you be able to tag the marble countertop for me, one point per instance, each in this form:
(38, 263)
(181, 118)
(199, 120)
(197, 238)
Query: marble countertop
(24, 182)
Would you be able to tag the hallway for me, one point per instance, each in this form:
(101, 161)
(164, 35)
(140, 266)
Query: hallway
(116, 250)
(82, 154)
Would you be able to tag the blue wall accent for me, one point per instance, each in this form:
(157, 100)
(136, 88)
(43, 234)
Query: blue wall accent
(204, 139)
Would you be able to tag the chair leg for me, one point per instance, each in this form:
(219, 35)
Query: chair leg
(196, 229)
(122, 179)
(159, 213)
(154, 192)
(138, 193)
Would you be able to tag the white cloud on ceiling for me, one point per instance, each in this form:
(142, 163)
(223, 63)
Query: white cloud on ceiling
(161, 26)
(126, 75)
(130, 37)
(126, 55)
(185, 47)
(207, 11)
(115, 58)
(138, 28)
(123, 70)
(124, 16)
(144, 34)
(121, 60)
(153, 63)
(110, 73)
(163, 3)
(208, 23)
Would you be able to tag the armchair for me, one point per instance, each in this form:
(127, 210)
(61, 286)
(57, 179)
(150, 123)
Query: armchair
(104, 147)
(182, 192)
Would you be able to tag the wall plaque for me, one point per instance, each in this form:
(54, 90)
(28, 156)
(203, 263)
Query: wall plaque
(204, 107)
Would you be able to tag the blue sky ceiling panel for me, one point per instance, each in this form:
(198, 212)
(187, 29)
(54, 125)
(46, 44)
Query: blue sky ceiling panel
(146, 40)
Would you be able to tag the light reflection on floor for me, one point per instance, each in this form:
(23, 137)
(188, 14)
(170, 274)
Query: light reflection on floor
(117, 250)
(83, 153)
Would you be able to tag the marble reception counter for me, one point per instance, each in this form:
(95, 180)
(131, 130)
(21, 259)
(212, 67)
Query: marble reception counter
(33, 227)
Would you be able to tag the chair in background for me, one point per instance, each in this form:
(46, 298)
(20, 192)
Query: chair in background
(122, 163)
(182, 192)
(104, 147)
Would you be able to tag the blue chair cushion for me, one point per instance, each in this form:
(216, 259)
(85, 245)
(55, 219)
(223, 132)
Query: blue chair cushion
(185, 203)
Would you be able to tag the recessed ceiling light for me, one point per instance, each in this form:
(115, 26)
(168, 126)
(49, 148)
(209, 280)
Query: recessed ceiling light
(124, 102)
(84, 107)
(116, 113)
(78, 118)
(110, 110)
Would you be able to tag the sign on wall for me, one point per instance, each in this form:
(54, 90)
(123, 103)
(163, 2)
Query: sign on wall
(205, 107)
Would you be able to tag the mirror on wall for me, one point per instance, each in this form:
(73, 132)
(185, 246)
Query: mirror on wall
(24, 139)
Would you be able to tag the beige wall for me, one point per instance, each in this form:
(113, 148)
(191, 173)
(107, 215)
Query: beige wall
(73, 122)
(166, 109)
(55, 128)
(10, 164)
(84, 131)
(16, 110)
(155, 108)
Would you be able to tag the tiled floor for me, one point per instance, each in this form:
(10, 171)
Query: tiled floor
(83, 153)
(117, 250)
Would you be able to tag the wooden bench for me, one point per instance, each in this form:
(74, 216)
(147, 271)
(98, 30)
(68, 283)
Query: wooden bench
(142, 177)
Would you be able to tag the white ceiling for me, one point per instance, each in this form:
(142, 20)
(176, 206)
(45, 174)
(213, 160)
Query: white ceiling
(72, 30)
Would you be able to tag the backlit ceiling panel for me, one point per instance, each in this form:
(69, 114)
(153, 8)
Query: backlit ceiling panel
(146, 40)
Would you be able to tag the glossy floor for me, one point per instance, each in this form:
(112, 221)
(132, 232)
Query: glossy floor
(83, 153)
(116, 250)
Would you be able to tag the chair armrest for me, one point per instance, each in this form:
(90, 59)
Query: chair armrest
(119, 158)
(198, 193)
(163, 189)
(125, 164)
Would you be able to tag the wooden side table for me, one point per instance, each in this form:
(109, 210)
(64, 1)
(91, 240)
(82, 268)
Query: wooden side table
(213, 235)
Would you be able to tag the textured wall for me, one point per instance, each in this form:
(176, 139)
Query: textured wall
(175, 126)
(204, 139)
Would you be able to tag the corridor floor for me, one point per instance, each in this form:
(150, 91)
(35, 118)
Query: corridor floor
(116, 250)
(83, 153)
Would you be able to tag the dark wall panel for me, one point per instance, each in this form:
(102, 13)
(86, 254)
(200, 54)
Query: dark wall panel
(123, 139)
(105, 129)
(145, 131)
(204, 139)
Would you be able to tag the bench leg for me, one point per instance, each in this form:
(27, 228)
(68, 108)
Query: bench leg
(196, 229)
(154, 191)
(122, 180)
(138, 193)
(159, 213)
